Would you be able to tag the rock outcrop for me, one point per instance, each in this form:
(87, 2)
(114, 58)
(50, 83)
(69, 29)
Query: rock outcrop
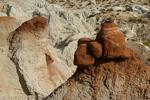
(137, 8)
(37, 66)
(121, 77)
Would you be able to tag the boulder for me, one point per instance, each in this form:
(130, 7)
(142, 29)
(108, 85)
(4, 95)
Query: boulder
(83, 57)
(137, 8)
(116, 8)
(112, 40)
(129, 33)
(70, 46)
(95, 48)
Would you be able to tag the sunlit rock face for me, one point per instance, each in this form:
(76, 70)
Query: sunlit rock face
(36, 65)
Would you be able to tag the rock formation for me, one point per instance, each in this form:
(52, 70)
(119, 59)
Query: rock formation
(112, 40)
(109, 77)
(69, 46)
(36, 64)
(86, 20)
(83, 56)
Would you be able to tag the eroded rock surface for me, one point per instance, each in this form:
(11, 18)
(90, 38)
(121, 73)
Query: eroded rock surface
(34, 64)
(122, 77)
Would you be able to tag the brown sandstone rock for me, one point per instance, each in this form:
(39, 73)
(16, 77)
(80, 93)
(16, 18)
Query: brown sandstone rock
(126, 52)
(35, 24)
(95, 48)
(121, 79)
(112, 40)
(82, 55)
(84, 41)
(119, 74)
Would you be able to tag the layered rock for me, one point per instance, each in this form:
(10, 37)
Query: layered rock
(37, 66)
(124, 76)
(112, 40)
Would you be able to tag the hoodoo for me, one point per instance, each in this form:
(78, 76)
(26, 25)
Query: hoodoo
(37, 66)
(107, 70)
(112, 40)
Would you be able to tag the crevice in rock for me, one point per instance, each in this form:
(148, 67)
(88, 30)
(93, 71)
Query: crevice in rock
(23, 83)
(63, 44)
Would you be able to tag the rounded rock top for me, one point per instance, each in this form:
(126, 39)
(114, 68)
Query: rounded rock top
(108, 24)
(35, 24)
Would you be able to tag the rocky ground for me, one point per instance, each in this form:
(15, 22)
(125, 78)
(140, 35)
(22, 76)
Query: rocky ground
(38, 40)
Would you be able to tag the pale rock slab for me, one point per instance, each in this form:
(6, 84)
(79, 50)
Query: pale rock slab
(27, 51)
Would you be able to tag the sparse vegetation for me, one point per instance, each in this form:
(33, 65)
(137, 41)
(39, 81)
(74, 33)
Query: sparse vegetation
(146, 43)
(123, 10)
(145, 3)
(119, 10)
(118, 4)
(148, 59)
(97, 28)
(128, 9)
(52, 1)
(107, 6)
(143, 11)
(109, 2)
(61, 1)
(117, 13)
(135, 19)
(102, 10)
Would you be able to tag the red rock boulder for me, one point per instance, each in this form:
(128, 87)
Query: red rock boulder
(126, 52)
(95, 48)
(83, 56)
(112, 40)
